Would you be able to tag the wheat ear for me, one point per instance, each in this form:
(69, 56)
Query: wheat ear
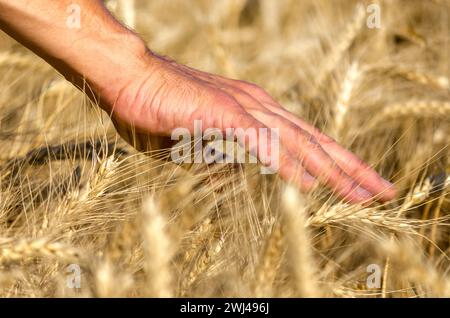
(157, 250)
(22, 61)
(269, 265)
(24, 249)
(414, 108)
(343, 100)
(299, 253)
(343, 44)
(109, 282)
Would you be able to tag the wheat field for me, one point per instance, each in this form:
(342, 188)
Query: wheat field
(74, 195)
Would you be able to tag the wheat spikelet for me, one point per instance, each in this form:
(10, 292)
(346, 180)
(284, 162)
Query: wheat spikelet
(111, 283)
(203, 262)
(419, 195)
(392, 219)
(100, 182)
(270, 263)
(403, 254)
(105, 280)
(344, 97)
(18, 60)
(24, 249)
(423, 78)
(157, 250)
(197, 240)
(85, 197)
(57, 87)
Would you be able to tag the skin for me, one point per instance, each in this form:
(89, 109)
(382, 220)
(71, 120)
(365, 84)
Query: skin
(149, 95)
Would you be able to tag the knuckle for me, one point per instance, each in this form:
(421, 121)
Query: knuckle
(311, 143)
(224, 100)
(287, 160)
(254, 90)
(345, 182)
(261, 114)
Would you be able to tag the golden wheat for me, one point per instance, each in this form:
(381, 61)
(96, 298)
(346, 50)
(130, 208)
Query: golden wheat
(73, 192)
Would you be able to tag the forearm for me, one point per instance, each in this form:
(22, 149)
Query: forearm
(89, 50)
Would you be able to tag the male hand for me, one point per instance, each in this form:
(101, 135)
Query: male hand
(168, 95)
(149, 95)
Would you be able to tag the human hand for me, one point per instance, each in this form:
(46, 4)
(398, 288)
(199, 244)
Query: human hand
(149, 95)
(168, 95)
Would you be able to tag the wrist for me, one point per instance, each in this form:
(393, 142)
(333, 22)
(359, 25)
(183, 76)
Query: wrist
(112, 65)
(100, 51)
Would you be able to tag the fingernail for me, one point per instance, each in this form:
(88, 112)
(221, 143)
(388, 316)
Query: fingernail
(363, 193)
